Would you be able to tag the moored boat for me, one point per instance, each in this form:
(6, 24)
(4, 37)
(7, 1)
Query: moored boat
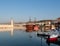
(29, 27)
(36, 27)
(52, 35)
(52, 38)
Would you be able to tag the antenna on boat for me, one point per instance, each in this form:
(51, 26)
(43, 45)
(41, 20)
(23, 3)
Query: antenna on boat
(29, 19)
(35, 19)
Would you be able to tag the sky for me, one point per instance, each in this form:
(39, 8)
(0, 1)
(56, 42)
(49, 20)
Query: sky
(22, 10)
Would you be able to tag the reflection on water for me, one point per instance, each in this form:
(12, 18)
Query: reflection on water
(7, 30)
(21, 38)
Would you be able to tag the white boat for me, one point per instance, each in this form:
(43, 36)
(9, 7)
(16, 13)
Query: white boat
(51, 34)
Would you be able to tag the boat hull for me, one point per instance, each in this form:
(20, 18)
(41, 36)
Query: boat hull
(52, 39)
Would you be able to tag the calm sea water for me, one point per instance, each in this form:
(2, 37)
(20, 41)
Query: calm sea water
(22, 38)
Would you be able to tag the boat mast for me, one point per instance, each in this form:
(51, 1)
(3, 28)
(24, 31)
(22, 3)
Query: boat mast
(29, 19)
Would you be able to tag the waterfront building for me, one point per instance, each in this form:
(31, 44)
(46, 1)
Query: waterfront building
(57, 23)
(7, 26)
(47, 25)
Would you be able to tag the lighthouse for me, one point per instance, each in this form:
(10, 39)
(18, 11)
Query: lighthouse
(12, 23)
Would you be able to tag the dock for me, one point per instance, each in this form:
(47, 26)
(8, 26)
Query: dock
(12, 25)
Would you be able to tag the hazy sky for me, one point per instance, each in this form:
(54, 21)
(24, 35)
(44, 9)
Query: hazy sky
(21, 10)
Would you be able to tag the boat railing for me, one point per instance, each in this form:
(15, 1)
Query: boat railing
(50, 32)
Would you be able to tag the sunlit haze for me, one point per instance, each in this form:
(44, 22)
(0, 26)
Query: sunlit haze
(21, 10)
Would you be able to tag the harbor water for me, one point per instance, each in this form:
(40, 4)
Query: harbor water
(22, 38)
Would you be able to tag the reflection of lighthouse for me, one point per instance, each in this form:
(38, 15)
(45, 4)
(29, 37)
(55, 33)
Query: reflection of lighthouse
(11, 32)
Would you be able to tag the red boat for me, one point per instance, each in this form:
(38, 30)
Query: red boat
(29, 27)
(52, 38)
(36, 27)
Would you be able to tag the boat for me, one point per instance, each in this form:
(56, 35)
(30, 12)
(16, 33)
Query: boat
(36, 27)
(29, 27)
(52, 38)
(51, 35)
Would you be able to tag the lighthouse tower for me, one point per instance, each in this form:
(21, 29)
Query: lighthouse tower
(12, 23)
